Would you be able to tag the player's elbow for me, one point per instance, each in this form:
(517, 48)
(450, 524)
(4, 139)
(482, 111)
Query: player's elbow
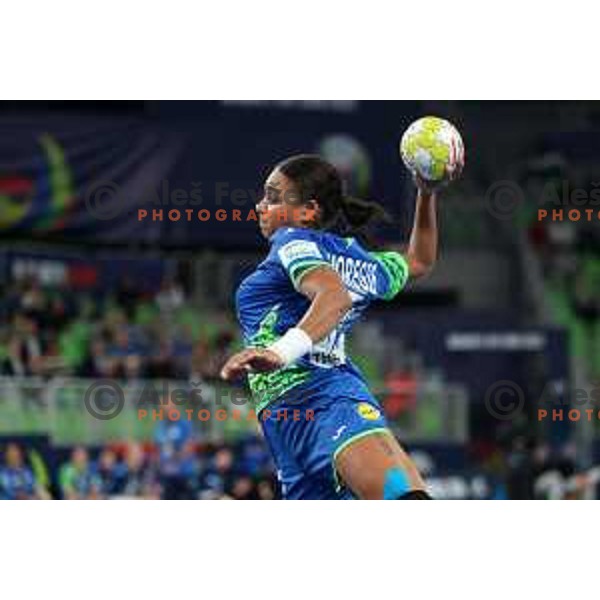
(338, 300)
(421, 268)
(326, 287)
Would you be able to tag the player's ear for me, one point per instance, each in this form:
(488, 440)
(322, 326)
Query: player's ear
(311, 213)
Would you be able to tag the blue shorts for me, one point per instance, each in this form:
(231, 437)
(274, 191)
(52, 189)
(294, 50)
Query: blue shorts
(305, 437)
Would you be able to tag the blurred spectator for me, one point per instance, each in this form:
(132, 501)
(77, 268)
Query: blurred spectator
(34, 303)
(17, 481)
(111, 473)
(521, 473)
(97, 362)
(5, 363)
(182, 349)
(401, 397)
(587, 304)
(140, 479)
(561, 259)
(127, 295)
(177, 462)
(160, 363)
(78, 481)
(265, 489)
(219, 477)
(25, 348)
(127, 353)
(170, 297)
(243, 489)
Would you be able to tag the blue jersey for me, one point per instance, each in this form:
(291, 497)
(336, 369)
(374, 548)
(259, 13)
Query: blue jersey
(16, 483)
(173, 435)
(269, 303)
(171, 438)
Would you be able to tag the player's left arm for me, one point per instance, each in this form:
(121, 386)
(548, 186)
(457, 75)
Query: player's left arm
(421, 254)
(422, 251)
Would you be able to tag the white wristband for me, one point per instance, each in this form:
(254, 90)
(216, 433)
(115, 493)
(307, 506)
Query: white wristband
(292, 345)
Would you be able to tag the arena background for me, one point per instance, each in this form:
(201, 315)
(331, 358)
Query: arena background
(94, 291)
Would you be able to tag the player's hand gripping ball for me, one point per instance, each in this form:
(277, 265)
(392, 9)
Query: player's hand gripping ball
(433, 151)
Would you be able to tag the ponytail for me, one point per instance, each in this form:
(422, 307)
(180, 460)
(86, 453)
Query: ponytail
(360, 214)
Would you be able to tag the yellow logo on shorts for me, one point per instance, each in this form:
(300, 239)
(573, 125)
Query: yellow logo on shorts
(368, 412)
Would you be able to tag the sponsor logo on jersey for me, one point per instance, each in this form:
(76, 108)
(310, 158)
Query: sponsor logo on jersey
(339, 432)
(299, 249)
(368, 411)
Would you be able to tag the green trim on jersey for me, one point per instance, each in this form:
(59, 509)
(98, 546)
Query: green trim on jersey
(300, 269)
(396, 269)
(355, 438)
(267, 387)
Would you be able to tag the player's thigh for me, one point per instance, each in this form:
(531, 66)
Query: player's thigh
(376, 467)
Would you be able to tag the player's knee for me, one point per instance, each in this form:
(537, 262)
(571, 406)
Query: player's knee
(397, 487)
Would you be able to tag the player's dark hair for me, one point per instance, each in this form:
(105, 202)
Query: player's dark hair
(316, 179)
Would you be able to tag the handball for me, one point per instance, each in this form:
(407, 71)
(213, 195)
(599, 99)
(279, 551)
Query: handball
(432, 149)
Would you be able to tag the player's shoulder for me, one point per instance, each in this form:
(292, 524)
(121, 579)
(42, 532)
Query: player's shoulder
(297, 238)
(293, 244)
(296, 235)
(289, 234)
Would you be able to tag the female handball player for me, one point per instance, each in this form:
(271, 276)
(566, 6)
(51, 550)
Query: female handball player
(326, 431)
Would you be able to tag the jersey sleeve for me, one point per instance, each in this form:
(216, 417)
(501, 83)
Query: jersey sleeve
(298, 252)
(395, 271)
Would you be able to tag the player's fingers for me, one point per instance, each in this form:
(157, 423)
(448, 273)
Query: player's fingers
(251, 360)
(456, 169)
(239, 364)
(226, 371)
(230, 372)
(256, 360)
(231, 367)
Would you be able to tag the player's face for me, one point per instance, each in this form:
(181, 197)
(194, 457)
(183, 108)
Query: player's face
(13, 456)
(280, 205)
(80, 457)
